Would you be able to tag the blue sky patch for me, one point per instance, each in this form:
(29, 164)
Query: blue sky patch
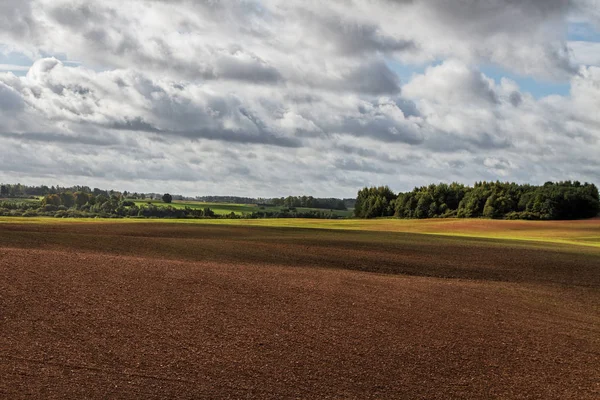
(583, 32)
(537, 87)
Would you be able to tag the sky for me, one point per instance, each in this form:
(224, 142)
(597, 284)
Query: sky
(292, 97)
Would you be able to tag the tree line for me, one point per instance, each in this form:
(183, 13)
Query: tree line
(86, 204)
(499, 200)
(18, 190)
(309, 202)
(22, 191)
(289, 201)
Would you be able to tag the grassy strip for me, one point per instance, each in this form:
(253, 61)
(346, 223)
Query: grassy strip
(218, 208)
(227, 208)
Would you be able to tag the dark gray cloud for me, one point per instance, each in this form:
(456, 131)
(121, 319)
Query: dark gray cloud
(10, 100)
(82, 16)
(526, 36)
(383, 129)
(233, 136)
(349, 164)
(408, 107)
(16, 19)
(516, 99)
(374, 78)
(252, 69)
(351, 37)
(58, 138)
(380, 156)
(487, 141)
(134, 124)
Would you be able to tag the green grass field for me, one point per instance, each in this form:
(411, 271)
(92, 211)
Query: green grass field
(218, 208)
(227, 208)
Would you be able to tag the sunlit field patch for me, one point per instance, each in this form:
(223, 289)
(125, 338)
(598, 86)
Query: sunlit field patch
(582, 232)
(238, 209)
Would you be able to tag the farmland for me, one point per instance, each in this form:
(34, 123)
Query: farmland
(36, 206)
(299, 309)
(238, 209)
(218, 208)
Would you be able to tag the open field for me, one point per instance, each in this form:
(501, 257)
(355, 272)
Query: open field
(218, 208)
(227, 208)
(352, 309)
(581, 233)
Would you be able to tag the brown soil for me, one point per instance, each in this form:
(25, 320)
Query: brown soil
(130, 311)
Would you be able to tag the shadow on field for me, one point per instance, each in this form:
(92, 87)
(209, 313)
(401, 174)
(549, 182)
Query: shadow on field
(379, 252)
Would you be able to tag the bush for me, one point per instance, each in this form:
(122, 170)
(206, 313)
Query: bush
(523, 215)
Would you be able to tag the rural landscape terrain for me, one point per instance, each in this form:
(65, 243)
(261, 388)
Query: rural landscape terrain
(299, 308)
(294, 199)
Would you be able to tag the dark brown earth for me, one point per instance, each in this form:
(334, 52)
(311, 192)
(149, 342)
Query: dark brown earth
(154, 311)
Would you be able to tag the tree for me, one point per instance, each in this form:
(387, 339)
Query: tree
(375, 202)
(51, 199)
(81, 198)
(489, 210)
(67, 199)
(424, 205)
(471, 206)
(167, 198)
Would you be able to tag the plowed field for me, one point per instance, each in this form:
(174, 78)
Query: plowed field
(155, 311)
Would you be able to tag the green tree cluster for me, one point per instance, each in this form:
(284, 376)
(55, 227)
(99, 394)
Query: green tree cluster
(111, 204)
(560, 200)
(375, 202)
(309, 202)
(104, 204)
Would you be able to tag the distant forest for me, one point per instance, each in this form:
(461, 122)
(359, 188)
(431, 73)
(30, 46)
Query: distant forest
(290, 201)
(84, 202)
(499, 200)
(20, 191)
(551, 201)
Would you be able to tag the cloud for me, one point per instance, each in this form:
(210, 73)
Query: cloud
(9, 99)
(274, 97)
(585, 53)
(252, 40)
(382, 120)
(10, 67)
(527, 37)
(585, 98)
(129, 101)
(57, 138)
(17, 20)
(452, 82)
(449, 121)
(349, 36)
